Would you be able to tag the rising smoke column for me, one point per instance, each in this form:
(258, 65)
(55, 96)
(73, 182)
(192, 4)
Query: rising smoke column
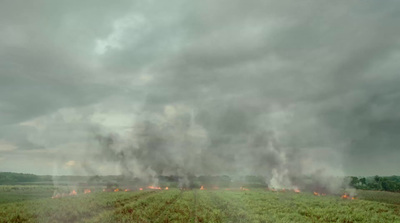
(170, 144)
(179, 141)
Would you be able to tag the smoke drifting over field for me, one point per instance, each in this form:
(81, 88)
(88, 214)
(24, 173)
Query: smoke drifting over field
(280, 89)
(176, 141)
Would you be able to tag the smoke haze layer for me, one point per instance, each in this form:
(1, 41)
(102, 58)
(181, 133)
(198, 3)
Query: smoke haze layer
(176, 142)
(143, 88)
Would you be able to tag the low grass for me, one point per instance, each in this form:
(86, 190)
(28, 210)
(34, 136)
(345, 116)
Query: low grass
(196, 206)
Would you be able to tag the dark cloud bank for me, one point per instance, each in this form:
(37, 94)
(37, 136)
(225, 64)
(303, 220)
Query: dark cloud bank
(278, 89)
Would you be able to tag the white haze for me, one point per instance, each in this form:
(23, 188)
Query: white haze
(282, 89)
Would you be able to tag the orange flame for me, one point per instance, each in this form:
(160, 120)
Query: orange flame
(296, 190)
(316, 193)
(126, 190)
(166, 188)
(201, 188)
(140, 188)
(73, 193)
(346, 196)
(243, 188)
(86, 191)
(116, 190)
(154, 188)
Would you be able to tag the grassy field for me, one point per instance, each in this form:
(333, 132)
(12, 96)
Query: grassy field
(175, 205)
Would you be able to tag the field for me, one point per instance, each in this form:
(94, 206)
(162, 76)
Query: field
(34, 204)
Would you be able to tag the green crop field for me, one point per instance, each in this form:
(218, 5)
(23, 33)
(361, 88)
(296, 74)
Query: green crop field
(34, 204)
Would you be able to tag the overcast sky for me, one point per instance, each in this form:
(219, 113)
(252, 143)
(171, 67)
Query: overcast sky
(321, 77)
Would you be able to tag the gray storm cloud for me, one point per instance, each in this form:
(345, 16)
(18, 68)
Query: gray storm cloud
(279, 89)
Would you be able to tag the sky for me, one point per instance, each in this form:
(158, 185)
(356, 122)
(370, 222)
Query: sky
(202, 87)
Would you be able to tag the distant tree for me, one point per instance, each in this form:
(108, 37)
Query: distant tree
(7, 177)
(205, 180)
(388, 185)
(94, 179)
(354, 181)
(374, 186)
(224, 181)
(363, 181)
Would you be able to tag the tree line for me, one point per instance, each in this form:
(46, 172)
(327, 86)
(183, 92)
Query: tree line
(382, 183)
(391, 183)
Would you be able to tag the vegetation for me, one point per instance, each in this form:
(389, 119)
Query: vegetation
(222, 205)
(14, 193)
(13, 178)
(32, 198)
(391, 183)
(380, 196)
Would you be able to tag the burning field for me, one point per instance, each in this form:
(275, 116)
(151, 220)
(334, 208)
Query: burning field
(212, 204)
(199, 111)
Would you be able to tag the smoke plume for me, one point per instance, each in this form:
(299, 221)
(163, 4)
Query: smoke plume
(181, 141)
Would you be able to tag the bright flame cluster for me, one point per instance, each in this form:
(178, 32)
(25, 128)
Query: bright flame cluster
(346, 196)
